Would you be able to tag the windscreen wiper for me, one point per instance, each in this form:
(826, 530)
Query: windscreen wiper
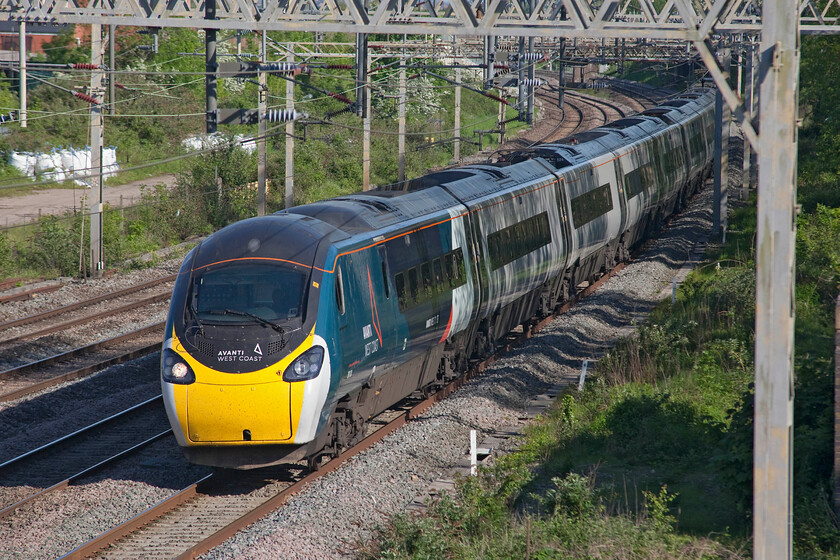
(257, 318)
(194, 313)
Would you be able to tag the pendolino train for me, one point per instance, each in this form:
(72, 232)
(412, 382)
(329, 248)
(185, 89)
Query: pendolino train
(287, 332)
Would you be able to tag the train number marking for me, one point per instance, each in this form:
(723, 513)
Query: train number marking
(371, 347)
(432, 321)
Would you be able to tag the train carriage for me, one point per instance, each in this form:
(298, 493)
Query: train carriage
(286, 333)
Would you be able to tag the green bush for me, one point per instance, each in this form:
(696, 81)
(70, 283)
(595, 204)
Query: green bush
(54, 249)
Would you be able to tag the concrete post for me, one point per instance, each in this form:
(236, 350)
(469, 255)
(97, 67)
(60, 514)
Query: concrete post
(22, 74)
(97, 261)
(774, 318)
(401, 140)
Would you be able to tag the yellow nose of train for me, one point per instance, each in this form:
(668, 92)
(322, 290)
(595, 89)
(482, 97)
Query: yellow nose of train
(224, 409)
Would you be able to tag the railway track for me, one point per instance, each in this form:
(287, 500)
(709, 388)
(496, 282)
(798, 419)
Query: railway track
(29, 378)
(580, 112)
(30, 362)
(79, 313)
(56, 465)
(211, 510)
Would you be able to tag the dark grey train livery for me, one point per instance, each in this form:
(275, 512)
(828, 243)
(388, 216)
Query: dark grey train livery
(287, 332)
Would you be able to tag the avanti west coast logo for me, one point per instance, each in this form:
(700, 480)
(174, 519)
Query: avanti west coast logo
(239, 355)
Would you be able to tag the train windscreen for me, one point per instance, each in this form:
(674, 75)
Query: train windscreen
(245, 293)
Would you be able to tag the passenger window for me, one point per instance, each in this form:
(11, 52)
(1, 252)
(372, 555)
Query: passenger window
(451, 269)
(428, 286)
(399, 280)
(459, 267)
(437, 270)
(413, 286)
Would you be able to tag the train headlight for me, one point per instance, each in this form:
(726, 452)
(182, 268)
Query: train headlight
(174, 369)
(307, 366)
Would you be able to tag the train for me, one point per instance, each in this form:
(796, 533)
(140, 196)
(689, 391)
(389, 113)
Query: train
(288, 332)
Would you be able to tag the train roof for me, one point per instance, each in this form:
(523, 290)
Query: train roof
(376, 209)
(261, 237)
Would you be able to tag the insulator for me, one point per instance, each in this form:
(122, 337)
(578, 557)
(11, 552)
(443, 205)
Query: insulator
(496, 98)
(282, 67)
(86, 97)
(413, 76)
(536, 82)
(119, 85)
(532, 57)
(283, 115)
(376, 69)
(347, 109)
(342, 98)
(339, 66)
(502, 67)
(11, 117)
(84, 66)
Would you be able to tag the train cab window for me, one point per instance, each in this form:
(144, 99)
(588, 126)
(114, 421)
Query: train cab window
(413, 287)
(399, 280)
(591, 205)
(428, 284)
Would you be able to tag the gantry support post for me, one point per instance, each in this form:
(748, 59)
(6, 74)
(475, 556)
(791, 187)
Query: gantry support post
(262, 106)
(721, 156)
(211, 67)
(751, 55)
(112, 62)
(361, 73)
(22, 73)
(561, 84)
(489, 60)
(530, 99)
(456, 156)
(97, 261)
(367, 122)
(290, 136)
(520, 101)
(401, 140)
(775, 245)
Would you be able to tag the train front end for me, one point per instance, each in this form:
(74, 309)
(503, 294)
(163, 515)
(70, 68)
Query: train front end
(244, 375)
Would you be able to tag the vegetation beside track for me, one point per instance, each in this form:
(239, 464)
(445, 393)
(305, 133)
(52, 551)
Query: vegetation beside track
(212, 189)
(654, 458)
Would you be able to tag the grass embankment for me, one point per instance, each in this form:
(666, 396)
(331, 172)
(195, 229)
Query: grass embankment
(654, 458)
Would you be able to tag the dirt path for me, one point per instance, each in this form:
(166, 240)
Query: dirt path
(24, 208)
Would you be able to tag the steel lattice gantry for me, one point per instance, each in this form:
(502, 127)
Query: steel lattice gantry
(779, 24)
(678, 19)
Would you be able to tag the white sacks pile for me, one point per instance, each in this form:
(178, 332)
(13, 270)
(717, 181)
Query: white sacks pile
(63, 164)
(207, 141)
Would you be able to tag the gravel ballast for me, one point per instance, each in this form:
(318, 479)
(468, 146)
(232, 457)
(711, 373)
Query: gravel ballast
(333, 513)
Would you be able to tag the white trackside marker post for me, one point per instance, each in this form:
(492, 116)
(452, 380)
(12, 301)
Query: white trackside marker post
(583, 374)
(473, 453)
